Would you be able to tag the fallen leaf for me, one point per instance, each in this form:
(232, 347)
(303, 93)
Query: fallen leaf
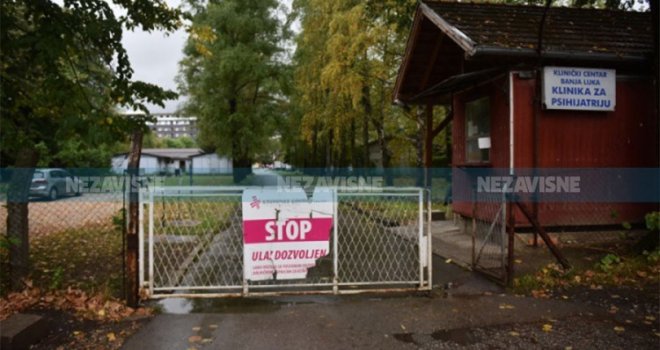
(111, 337)
(448, 261)
(650, 318)
(206, 340)
(619, 329)
(403, 327)
(514, 334)
(504, 306)
(101, 313)
(547, 327)
(214, 326)
(194, 339)
(197, 329)
(518, 261)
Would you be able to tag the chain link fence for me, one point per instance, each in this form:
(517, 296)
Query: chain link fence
(192, 243)
(75, 235)
(488, 228)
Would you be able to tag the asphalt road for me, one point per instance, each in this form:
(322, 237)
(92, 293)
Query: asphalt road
(464, 311)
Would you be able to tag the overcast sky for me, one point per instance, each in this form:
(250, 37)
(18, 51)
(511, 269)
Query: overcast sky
(155, 57)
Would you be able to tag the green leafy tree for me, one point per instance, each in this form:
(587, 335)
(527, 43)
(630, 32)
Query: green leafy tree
(231, 73)
(63, 69)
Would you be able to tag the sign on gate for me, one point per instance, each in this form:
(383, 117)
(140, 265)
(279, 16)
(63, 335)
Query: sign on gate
(284, 232)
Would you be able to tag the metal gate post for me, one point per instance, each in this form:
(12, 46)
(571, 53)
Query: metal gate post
(429, 240)
(141, 205)
(335, 245)
(420, 238)
(511, 227)
(503, 240)
(151, 243)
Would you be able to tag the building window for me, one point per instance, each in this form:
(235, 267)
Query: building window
(477, 125)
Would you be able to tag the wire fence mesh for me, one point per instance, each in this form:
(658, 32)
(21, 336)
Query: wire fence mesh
(74, 240)
(87, 211)
(193, 241)
(489, 232)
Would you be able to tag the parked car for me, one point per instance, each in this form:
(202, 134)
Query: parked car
(53, 183)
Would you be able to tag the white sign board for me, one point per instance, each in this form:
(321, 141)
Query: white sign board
(284, 232)
(582, 89)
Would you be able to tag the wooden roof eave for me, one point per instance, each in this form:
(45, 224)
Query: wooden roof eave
(423, 11)
(463, 41)
(405, 64)
(441, 93)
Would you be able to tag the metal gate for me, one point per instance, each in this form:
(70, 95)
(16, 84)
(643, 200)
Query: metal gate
(489, 235)
(191, 244)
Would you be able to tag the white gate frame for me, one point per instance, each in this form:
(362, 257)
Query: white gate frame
(146, 267)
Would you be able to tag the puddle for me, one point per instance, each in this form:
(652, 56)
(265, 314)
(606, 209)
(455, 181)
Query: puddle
(458, 336)
(175, 305)
(237, 305)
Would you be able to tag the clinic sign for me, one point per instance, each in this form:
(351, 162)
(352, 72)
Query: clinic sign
(284, 232)
(581, 89)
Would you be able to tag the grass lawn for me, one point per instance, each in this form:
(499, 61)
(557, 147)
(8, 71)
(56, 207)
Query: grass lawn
(205, 180)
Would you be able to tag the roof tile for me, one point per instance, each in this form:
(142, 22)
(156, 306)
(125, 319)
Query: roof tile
(571, 30)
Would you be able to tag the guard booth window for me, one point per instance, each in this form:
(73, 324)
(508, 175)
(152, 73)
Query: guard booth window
(477, 125)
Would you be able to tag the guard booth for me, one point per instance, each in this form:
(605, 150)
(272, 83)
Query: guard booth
(515, 106)
(533, 91)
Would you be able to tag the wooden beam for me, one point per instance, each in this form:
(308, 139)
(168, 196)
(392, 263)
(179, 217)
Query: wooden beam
(428, 144)
(443, 124)
(410, 48)
(538, 228)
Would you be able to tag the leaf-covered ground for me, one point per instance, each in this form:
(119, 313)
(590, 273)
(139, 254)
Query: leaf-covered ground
(76, 283)
(88, 259)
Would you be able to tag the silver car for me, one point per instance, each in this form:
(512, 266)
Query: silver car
(53, 183)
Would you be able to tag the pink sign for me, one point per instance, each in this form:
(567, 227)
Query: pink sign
(284, 232)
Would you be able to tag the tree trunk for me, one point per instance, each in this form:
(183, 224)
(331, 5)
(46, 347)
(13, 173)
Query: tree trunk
(353, 150)
(132, 242)
(366, 103)
(240, 160)
(315, 147)
(387, 157)
(17, 216)
(241, 163)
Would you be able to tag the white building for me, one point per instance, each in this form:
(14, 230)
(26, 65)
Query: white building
(172, 125)
(158, 160)
(173, 161)
(210, 163)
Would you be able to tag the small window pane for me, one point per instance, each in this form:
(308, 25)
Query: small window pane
(477, 125)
